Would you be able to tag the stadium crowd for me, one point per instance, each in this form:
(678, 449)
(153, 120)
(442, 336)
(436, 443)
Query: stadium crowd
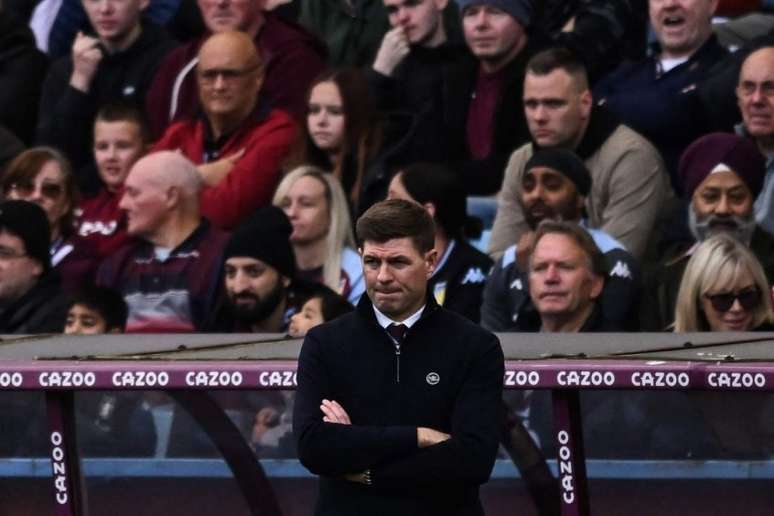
(590, 165)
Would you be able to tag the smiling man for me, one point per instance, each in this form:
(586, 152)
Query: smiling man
(722, 174)
(237, 141)
(415, 406)
(652, 96)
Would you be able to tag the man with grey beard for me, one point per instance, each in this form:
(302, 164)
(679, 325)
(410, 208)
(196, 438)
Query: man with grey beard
(721, 174)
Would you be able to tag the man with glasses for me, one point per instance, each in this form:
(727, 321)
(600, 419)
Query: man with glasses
(721, 174)
(293, 58)
(755, 95)
(115, 62)
(238, 142)
(31, 300)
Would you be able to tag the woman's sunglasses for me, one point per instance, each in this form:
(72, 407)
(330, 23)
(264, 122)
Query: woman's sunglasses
(723, 302)
(51, 191)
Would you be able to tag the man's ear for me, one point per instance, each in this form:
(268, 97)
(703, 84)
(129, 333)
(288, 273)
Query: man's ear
(586, 103)
(172, 196)
(431, 260)
(285, 281)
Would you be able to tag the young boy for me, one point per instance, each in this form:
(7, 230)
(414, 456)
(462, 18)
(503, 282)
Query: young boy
(96, 310)
(121, 138)
(321, 306)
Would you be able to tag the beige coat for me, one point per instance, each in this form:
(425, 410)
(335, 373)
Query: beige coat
(629, 188)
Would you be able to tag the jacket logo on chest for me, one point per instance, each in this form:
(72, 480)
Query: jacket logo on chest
(433, 378)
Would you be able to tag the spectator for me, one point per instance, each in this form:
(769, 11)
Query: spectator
(755, 94)
(322, 239)
(566, 276)
(457, 281)
(237, 142)
(343, 135)
(323, 306)
(351, 29)
(722, 174)
(293, 57)
(482, 96)
(651, 96)
(407, 74)
(22, 69)
(169, 275)
(258, 273)
(628, 183)
(42, 175)
(109, 423)
(723, 288)
(30, 298)
(554, 187)
(118, 64)
(96, 310)
(120, 139)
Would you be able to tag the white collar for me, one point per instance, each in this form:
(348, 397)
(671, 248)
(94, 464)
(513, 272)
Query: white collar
(385, 321)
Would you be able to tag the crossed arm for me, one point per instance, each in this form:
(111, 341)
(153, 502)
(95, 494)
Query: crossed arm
(332, 445)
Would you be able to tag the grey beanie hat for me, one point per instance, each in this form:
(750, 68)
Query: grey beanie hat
(522, 10)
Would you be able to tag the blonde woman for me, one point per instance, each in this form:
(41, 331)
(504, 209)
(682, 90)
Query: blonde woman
(723, 288)
(322, 238)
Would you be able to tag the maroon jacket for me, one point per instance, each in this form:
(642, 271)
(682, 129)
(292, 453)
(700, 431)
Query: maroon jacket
(102, 222)
(266, 140)
(293, 56)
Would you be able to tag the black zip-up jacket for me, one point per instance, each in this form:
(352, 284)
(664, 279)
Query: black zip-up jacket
(446, 375)
(67, 114)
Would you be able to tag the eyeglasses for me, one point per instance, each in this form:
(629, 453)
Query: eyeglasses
(228, 75)
(723, 302)
(51, 191)
(748, 88)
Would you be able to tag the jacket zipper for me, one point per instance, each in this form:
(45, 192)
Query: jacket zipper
(397, 359)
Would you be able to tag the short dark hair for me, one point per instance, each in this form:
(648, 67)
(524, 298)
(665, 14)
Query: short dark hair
(431, 182)
(121, 111)
(396, 218)
(108, 303)
(580, 236)
(332, 303)
(559, 58)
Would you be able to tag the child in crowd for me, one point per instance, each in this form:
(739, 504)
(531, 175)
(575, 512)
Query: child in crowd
(96, 310)
(121, 137)
(322, 306)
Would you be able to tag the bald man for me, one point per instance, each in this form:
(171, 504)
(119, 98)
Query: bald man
(755, 96)
(237, 142)
(294, 57)
(169, 273)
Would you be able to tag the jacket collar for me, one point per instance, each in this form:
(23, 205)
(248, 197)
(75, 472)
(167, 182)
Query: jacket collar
(602, 124)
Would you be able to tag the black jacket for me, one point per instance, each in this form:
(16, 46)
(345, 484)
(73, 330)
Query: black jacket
(458, 283)
(450, 379)
(22, 69)
(485, 176)
(67, 114)
(42, 309)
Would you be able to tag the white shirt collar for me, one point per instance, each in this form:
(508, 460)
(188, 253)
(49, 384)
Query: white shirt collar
(385, 321)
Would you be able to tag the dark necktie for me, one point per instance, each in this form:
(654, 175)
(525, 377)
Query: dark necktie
(397, 332)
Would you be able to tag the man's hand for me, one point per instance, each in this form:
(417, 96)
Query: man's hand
(428, 437)
(213, 173)
(334, 413)
(524, 250)
(86, 56)
(394, 48)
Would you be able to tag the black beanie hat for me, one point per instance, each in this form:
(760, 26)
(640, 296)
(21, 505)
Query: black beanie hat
(566, 163)
(28, 221)
(266, 237)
